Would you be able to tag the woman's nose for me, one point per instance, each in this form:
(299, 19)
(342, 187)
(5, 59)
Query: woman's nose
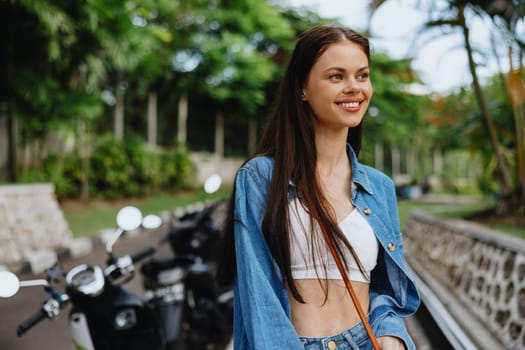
(350, 87)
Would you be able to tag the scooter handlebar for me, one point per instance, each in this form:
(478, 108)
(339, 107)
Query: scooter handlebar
(30, 322)
(143, 254)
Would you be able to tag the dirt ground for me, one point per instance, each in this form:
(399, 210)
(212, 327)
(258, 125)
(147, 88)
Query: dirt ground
(491, 219)
(516, 220)
(74, 205)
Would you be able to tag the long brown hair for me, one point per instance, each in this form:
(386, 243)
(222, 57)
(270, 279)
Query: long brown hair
(290, 139)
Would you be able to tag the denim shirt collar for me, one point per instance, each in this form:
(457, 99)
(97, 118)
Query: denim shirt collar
(359, 175)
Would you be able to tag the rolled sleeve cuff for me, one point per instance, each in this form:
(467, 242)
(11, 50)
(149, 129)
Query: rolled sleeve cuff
(393, 326)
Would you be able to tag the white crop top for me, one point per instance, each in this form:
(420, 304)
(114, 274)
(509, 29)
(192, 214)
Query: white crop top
(356, 230)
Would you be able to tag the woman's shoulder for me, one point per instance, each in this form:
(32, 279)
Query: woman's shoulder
(376, 176)
(258, 166)
(254, 177)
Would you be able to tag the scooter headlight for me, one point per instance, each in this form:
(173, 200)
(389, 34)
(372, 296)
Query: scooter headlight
(88, 280)
(125, 319)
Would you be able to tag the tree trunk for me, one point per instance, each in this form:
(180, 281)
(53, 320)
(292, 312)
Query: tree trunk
(379, 158)
(119, 115)
(516, 91)
(4, 144)
(12, 130)
(152, 119)
(437, 163)
(252, 135)
(396, 161)
(182, 122)
(84, 158)
(519, 112)
(411, 165)
(219, 135)
(506, 185)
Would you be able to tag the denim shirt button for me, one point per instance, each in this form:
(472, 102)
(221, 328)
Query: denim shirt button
(368, 211)
(391, 246)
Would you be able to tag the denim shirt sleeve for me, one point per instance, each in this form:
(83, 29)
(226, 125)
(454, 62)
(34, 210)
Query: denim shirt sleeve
(261, 312)
(393, 295)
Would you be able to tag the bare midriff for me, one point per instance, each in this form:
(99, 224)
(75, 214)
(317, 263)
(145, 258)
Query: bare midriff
(321, 315)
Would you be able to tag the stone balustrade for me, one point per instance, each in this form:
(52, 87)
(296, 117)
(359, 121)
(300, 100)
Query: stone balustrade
(32, 225)
(481, 270)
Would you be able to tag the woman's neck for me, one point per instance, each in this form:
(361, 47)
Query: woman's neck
(331, 154)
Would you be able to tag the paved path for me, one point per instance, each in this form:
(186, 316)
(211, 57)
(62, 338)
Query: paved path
(54, 335)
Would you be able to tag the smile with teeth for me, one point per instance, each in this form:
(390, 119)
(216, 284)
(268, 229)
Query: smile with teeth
(349, 104)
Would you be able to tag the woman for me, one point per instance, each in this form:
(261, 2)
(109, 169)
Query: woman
(306, 178)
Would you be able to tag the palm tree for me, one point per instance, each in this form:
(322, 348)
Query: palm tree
(511, 197)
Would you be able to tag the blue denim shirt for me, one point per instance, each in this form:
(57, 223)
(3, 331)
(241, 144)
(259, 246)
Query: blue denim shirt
(262, 309)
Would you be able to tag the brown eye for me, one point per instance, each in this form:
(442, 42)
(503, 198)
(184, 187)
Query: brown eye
(335, 77)
(363, 76)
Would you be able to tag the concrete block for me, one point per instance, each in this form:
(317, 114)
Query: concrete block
(79, 246)
(40, 260)
(105, 235)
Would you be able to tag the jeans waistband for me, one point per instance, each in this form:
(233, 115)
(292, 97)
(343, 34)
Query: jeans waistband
(356, 336)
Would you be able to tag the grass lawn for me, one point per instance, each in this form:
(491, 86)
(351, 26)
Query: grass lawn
(458, 209)
(448, 209)
(88, 219)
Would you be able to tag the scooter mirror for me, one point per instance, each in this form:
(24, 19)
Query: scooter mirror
(212, 183)
(151, 221)
(129, 218)
(9, 284)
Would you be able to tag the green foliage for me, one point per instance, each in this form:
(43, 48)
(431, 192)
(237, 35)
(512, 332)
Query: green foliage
(111, 173)
(118, 169)
(395, 113)
(176, 168)
(462, 127)
(229, 53)
(127, 168)
(62, 172)
(62, 56)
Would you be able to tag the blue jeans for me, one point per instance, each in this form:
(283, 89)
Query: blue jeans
(354, 338)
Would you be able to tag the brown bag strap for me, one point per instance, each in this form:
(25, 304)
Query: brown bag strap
(350, 289)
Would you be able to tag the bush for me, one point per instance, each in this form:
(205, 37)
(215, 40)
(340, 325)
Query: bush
(128, 168)
(63, 172)
(176, 169)
(118, 169)
(110, 172)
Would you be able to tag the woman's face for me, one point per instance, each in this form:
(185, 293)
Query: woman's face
(338, 88)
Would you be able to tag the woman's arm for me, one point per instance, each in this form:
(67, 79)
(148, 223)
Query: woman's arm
(393, 294)
(261, 296)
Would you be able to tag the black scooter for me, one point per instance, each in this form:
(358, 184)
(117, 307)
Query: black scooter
(182, 286)
(103, 315)
(183, 307)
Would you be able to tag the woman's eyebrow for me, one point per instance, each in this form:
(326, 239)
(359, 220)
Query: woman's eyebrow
(341, 69)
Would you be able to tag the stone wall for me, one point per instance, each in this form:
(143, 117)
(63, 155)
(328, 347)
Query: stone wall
(32, 225)
(4, 146)
(482, 269)
(208, 164)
